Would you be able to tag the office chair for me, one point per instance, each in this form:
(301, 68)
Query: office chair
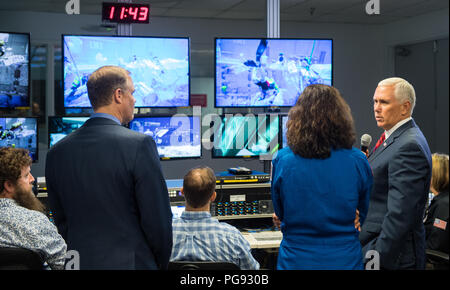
(437, 260)
(202, 265)
(19, 259)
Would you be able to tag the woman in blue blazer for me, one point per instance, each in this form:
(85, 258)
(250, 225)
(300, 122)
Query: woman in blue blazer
(318, 184)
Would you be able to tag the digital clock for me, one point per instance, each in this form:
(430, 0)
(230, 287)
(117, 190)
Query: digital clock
(126, 12)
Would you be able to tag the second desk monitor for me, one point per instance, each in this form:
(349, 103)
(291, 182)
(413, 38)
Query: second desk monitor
(237, 136)
(60, 127)
(175, 136)
(20, 133)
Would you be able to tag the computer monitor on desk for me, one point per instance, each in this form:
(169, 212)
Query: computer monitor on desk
(177, 210)
(234, 201)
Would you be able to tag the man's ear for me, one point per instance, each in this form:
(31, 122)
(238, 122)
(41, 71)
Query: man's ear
(213, 197)
(406, 108)
(118, 96)
(9, 189)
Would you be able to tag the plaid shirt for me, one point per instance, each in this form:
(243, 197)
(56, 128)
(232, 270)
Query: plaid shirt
(199, 237)
(29, 229)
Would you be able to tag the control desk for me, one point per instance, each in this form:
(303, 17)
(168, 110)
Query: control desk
(234, 201)
(247, 206)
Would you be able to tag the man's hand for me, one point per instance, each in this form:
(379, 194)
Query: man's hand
(276, 221)
(357, 224)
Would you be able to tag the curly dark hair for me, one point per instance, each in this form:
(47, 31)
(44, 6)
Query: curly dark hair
(12, 161)
(320, 121)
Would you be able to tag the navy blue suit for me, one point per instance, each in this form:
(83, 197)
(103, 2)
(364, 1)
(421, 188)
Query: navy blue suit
(394, 225)
(109, 197)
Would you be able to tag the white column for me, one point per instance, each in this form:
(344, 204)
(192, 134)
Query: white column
(123, 28)
(50, 83)
(273, 18)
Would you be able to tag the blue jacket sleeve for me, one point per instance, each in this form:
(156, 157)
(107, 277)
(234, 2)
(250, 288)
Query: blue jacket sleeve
(366, 182)
(276, 190)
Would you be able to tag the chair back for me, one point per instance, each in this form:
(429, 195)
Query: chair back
(437, 260)
(19, 259)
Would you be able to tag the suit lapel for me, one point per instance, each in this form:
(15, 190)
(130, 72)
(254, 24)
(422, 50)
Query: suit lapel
(391, 139)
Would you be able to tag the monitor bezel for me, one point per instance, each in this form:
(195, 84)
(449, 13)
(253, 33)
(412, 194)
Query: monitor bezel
(243, 156)
(129, 36)
(267, 38)
(29, 70)
(280, 132)
(142, 116)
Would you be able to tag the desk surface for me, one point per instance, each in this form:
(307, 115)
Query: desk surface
(264, 239)
(173, 184)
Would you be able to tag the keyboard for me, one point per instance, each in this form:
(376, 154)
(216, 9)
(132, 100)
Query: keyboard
(267, 236)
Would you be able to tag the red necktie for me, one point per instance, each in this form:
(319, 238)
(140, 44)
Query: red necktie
(380, 141)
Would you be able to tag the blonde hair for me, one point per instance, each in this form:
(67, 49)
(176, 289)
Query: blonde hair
(439, 177)
(403, 90)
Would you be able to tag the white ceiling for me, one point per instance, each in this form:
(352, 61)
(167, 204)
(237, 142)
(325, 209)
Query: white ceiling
(335, 11)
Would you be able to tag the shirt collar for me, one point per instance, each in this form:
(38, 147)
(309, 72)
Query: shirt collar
(4, 201)
(107, 116)
(195, 215)
(389, 132)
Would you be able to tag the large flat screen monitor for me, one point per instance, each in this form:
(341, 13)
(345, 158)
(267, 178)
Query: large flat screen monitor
(60, 127)
(159, 67)
(269, 72)
(20, 133)
(245, 136)
(175, 136)
(14, 70)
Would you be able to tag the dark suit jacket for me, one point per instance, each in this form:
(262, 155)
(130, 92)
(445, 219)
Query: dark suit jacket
(394, 223)
(109, 197)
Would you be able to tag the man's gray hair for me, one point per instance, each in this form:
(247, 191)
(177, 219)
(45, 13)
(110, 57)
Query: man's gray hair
(403, 90)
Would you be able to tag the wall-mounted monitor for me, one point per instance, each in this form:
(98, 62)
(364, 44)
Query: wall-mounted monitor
(14, 70)
(60, 127)
(269, 72)
(20, 133)
(175, 136)
(159, 67)
(237, 136)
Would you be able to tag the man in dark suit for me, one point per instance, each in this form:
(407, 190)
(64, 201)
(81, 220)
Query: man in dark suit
(401, 165)
(106, 187)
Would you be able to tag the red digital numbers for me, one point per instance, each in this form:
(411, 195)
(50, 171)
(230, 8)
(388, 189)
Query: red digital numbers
(143, 14)
(122, 13)
(111, 13)
(126, 13)
(133, 12)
